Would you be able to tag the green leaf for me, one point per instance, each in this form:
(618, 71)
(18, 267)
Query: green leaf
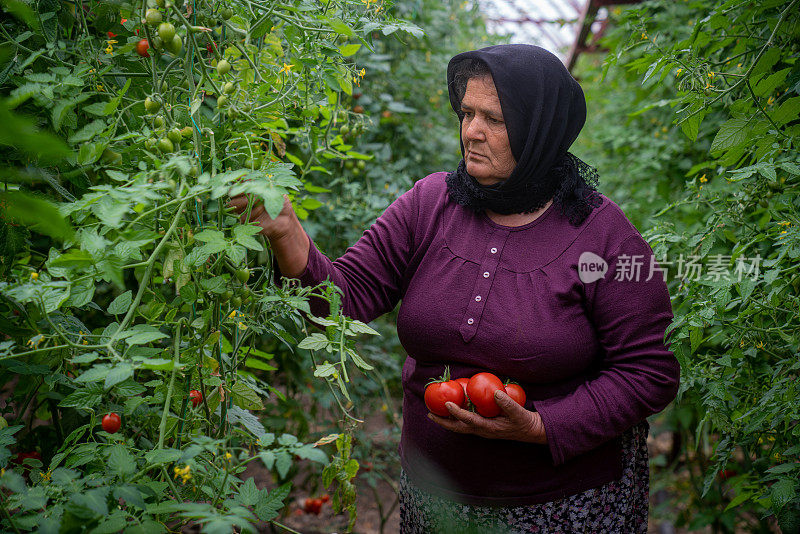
(339, 26)
(162, 456)
(270, 503)
(248, 494)
(731, 134)
(349, 49)
(93, 500)
(309, 452)
(86, 398)
(243, 234)
(783, 491)
(283, 462)
(120, 461)
(244, 397)
(787, 111)
(315, 341)
(118, 373)
(770, 83)
(36, 213)
(121, 304)
(22, 134)
(88, 132)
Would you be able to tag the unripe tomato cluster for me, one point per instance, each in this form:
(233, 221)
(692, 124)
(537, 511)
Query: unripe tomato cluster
(477, 392)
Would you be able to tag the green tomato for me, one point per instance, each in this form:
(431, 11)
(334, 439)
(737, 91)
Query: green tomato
(111, 157)
(175, 45)
(228, 88)
(150, 144)
(151, 106)
(174, 135)
(226, 296)
(194, 171)
(186, 131)
(165, 145)
(243, 275)
(236, 301)
(360, 164)
(344, 130)
(223, 67)
(222, 101)
(158, 122)
(349, 165)
(226, 13)
(166, 31)
(153, 17)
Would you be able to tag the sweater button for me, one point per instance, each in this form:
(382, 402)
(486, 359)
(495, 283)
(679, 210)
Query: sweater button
(470, 320)
(494, 250)
(477, 298)
(486, 274)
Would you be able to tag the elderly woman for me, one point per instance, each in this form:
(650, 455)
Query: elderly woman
(513, 264)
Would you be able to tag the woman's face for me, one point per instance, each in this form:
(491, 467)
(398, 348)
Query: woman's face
(487, 152)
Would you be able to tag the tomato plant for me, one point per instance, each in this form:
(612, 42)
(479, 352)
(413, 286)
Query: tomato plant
(125, 299)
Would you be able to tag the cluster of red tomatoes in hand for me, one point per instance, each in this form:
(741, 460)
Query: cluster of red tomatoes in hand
(478, 391)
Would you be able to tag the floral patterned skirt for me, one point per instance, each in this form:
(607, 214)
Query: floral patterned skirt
(619, 506)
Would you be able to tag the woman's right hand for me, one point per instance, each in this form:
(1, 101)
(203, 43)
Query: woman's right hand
(286, 236)
(273, 229)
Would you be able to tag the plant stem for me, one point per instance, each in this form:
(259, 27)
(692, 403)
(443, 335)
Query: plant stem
(176, 357)
(148, 272)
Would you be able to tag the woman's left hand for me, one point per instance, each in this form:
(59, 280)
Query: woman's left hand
(515, 422)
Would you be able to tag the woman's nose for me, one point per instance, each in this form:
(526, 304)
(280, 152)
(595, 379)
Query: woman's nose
(474, 130)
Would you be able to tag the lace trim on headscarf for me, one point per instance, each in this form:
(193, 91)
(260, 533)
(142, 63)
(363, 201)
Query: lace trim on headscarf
(572, 184)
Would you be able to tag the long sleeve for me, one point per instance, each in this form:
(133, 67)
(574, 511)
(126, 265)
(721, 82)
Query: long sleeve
(638, 375)
(370, 272)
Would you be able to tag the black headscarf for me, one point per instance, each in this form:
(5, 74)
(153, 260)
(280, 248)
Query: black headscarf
(544, 110)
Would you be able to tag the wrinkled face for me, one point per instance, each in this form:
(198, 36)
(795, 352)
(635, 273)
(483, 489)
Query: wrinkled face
(487, 152)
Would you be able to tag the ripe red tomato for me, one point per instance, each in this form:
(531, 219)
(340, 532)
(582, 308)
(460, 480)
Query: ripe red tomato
(463, 382)
(516, 392)
(111, 423)
(438, 393)
(141, 48)
(480, 389)
(326, 498)
(196, 397)
(312, 506)
(725, 474)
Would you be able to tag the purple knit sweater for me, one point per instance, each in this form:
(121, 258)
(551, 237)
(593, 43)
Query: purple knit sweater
(478, 296)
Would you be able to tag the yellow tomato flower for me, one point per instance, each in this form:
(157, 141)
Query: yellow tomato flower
(34, 276)
(242, 325)
(232, 314)
(678, 72)
(770, 101)
(286, 68)
(703, 178)
(362, 72)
